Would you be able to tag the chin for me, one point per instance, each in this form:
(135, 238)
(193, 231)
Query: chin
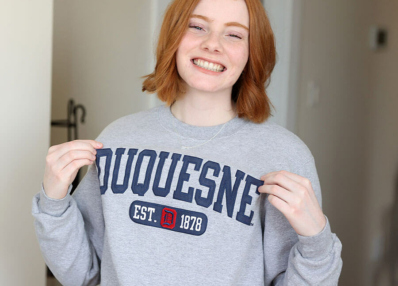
(205, 86)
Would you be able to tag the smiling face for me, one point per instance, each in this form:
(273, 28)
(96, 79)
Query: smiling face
(215, 48)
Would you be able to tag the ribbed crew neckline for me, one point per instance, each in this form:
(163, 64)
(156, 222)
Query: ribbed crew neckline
(167, 120)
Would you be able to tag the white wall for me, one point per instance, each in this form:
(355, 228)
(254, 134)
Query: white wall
(382, 171)
(335, 55)
(285, 18)
(25, 81)
(158, 8)
(101, 49)
(352, 130)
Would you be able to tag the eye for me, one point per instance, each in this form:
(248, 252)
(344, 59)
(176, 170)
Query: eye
(195, 27)
(236, 36)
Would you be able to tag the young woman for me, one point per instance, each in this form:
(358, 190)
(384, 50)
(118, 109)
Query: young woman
(202, 190)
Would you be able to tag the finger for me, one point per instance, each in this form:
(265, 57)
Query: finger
(280, 179)
(70, 156)
(279, 192)
(93, 143)
(299, 179)
(305, 182)
(83, 145)
(280, 204)
(72, 168)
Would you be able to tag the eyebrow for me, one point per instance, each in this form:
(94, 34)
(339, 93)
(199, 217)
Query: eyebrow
(227, 24)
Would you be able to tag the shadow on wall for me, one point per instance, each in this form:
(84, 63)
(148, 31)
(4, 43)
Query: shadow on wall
(386, 270)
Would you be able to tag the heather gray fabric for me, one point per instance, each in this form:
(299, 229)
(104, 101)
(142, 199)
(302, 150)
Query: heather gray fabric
(150, 213)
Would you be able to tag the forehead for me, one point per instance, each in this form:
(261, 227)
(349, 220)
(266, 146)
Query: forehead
(224, 11)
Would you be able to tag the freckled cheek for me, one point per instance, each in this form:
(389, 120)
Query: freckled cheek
(188, 42)
(183, 48)
(243, 56)
(240, 57)
(238, 54)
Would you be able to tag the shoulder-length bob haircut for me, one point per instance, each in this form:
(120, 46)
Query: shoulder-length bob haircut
(248, 93)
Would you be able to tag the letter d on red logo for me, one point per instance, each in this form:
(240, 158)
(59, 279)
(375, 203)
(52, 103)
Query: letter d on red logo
(168, 218)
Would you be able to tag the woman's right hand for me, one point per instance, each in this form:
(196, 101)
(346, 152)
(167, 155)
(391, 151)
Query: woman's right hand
(63, 161)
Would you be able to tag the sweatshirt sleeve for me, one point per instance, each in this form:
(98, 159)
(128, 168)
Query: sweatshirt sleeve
(70, 231)
(307, 260)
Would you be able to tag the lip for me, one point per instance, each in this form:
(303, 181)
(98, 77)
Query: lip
(211, 61)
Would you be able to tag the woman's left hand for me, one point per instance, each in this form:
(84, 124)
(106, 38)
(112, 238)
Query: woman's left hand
(294, 197)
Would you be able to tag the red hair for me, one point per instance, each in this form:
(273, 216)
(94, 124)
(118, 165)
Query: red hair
(248, 93)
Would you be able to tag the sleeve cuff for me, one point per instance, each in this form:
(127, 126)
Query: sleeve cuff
(54, 207)
(318, 245)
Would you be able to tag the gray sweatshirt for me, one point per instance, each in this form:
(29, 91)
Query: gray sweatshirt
(149, 212)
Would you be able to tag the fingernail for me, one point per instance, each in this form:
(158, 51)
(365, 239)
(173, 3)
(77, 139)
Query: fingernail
(99, 144)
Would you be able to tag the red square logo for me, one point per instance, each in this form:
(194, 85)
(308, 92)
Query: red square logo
(168, 218)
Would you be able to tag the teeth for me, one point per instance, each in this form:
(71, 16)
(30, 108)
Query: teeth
(209, 66)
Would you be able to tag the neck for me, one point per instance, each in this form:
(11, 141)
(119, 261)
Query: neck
(204, 109)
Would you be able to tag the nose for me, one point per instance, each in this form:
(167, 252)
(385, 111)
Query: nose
(211, 43)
